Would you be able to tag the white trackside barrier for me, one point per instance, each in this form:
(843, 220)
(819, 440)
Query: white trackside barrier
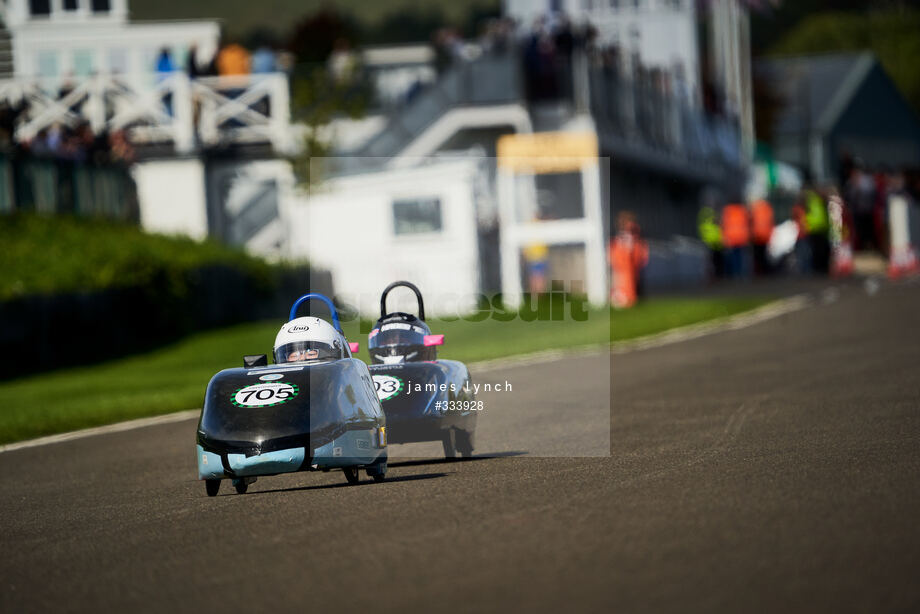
(902, 258)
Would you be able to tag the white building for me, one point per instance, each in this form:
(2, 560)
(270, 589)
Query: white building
(73, 61)
(417, 223)
(56, 40)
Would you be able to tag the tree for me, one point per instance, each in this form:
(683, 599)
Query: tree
(315, 36)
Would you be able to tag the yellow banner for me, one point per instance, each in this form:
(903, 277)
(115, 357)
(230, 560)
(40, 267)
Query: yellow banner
(547, 152)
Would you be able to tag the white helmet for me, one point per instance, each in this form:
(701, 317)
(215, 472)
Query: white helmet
(309, 338)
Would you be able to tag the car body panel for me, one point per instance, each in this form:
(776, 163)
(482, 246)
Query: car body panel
(410, 393)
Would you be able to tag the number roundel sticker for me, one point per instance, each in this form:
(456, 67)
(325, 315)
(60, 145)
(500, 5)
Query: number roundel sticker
(265, 394)
(387, 386)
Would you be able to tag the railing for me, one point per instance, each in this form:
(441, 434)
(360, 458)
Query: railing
(244, 109)
(642, 114)
(178, 111)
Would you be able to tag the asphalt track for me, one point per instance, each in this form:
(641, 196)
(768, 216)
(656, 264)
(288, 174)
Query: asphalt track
(774, 468)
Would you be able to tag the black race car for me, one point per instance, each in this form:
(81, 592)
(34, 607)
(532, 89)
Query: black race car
(424, 398)
(315, 409)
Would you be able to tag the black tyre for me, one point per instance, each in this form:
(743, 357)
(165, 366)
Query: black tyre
(447, 439)
(351, 474)
(378, 472)
(241, 486)
(211, 487)
(463, 442)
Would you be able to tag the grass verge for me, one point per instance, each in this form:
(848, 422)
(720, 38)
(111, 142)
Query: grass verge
(174, 377)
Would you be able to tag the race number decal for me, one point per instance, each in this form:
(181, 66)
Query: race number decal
(265, 395)
(387, 386)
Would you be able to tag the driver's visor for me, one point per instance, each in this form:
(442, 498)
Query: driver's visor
(300, 351)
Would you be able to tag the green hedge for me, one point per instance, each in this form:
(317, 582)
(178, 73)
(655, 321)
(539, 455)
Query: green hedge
(79, 291)
(52, 255)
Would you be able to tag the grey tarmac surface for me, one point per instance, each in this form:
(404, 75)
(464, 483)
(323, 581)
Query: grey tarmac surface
(773, 468)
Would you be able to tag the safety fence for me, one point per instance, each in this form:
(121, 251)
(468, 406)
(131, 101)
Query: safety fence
(60, 186)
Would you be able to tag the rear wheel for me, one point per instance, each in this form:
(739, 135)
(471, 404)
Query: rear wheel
(212, 486)
(241, 486)
(463, 442)
(351, 474)
(447, 439)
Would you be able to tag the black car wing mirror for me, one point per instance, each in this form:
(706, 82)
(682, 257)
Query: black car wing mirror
(255, 360)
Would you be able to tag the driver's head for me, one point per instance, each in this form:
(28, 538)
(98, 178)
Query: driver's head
(400, 337)
(308, 338)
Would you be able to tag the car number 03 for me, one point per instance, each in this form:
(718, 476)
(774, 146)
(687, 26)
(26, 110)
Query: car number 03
(265, 395)
(387, 386)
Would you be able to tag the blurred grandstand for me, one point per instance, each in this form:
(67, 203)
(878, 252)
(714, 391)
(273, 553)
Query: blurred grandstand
(205, 128)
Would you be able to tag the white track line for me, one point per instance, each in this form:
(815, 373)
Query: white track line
(766, 312)
(130, 425)
(738, 321)
(675, 335)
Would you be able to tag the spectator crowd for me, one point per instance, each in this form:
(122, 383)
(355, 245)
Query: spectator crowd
(72, 138)
(61, 141)
(827, 223)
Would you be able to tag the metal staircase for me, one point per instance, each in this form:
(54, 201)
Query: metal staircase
(486, 91)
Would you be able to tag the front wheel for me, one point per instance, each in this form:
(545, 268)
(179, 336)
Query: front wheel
(211, 487)
(464, 443)
(351, 474)
(378, 472)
